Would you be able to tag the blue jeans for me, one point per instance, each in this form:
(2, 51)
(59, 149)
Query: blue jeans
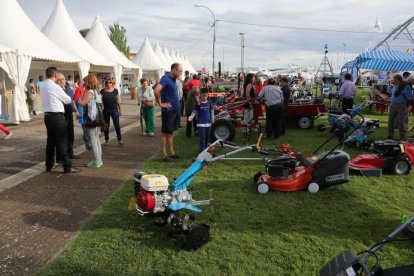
(204, 137)
(115, 119)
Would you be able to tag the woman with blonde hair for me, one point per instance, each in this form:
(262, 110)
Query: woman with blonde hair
(91, 93)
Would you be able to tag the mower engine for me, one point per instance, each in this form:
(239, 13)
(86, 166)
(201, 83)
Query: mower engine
(151, 192)
(388, 148)
(284, 164)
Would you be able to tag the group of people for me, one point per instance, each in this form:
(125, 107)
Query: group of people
(62, 100)
(273, 95)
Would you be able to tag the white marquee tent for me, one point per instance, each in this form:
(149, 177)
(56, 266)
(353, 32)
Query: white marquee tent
(151, 66)
(61, 30)
(99, 40)
(191, 66)
(167, 55)
(161, 57)
(21, 43)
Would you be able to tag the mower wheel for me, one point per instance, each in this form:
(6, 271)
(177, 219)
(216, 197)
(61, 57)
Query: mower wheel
(223, 129)
(263, 188)
(256, 177)
(313, 187)
(401, 166)
(305, 122)
(321, 127)
(197, 237)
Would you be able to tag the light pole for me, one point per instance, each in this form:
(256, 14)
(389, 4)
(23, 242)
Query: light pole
(214, 35)
(242, 50)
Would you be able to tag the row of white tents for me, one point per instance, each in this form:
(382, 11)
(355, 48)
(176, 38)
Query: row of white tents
(23, 47)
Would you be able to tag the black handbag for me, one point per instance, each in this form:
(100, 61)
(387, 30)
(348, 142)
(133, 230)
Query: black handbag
(99, 120)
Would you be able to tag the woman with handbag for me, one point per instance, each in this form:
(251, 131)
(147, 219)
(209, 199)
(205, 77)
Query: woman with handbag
(147, 98)
(112, 108)
(90, 100)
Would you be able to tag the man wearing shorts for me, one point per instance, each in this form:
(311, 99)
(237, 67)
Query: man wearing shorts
(166, 93)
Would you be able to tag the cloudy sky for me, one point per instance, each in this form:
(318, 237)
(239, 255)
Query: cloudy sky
(178, 24)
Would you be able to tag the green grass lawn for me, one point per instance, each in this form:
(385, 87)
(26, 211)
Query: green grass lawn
(293, 233)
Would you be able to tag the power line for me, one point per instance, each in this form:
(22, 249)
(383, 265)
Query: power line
(297, 28)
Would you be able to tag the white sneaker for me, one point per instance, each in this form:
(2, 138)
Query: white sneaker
(151, 134)
(145, 134)
(8, 136)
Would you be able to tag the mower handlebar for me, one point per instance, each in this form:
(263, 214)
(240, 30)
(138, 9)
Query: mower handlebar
(263, 152)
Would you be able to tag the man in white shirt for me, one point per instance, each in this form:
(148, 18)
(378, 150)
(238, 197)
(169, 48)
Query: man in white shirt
(53, 98)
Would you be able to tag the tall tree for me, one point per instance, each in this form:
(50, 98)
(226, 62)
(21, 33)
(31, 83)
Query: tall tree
(84, 32)
(118, 38)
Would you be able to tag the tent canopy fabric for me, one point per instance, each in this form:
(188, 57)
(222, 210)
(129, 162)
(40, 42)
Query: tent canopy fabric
(99, 40)
(18, 32)
(386, 60)
(146, 57)
(61, 30)
(167, 55)
(161, 57)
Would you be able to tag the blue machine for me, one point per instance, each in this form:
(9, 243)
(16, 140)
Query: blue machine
(154, 195)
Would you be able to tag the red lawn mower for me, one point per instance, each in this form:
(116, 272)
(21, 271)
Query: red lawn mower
(391, 156)
(291, 172)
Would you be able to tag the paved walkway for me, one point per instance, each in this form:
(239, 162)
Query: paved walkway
(43, 211)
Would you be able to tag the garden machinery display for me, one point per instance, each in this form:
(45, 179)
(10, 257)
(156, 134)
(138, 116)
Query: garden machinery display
(348, 263)
(391, 156)
(291, 172)
(360, 137)
(153, 195)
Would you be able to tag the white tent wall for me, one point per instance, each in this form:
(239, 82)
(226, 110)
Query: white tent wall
(21, 41)
(17, 68)
(161, 57)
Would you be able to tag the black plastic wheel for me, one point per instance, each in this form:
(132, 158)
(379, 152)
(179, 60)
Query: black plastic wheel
(197, 237)
(305, 122)
(321, 127)
(401, 166)
(223, 129)
(256, 177)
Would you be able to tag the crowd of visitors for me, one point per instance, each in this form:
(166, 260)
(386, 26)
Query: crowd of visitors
(63, 100)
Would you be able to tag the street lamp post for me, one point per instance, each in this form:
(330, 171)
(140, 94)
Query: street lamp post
(214, 35)
(242, 51)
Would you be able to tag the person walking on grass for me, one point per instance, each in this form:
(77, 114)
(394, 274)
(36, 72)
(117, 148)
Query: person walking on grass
(273, 96)
(347, 93)
(91, 94)
(6, 131)
(166, 94)
(401, 98)
(112, 108)
(53, 100)
(204, 112)
(286, 97)
(147, 99)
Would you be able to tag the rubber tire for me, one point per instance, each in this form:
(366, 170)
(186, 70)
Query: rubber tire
(313, 187)
(197, 237)
(395, 164)
(263, 188)
(256, 177)
(321, 127)
(226, 124)
(308, 120)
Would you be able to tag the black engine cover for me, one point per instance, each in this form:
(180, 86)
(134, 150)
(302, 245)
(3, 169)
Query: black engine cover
(281, 166)
(387, 148)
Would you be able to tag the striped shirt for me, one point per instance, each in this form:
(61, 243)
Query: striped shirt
(272, 94)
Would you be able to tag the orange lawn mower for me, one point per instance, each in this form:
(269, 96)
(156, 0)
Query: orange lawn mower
(291, 172)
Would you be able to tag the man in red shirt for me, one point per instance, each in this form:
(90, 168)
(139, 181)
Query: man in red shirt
(193, 83)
